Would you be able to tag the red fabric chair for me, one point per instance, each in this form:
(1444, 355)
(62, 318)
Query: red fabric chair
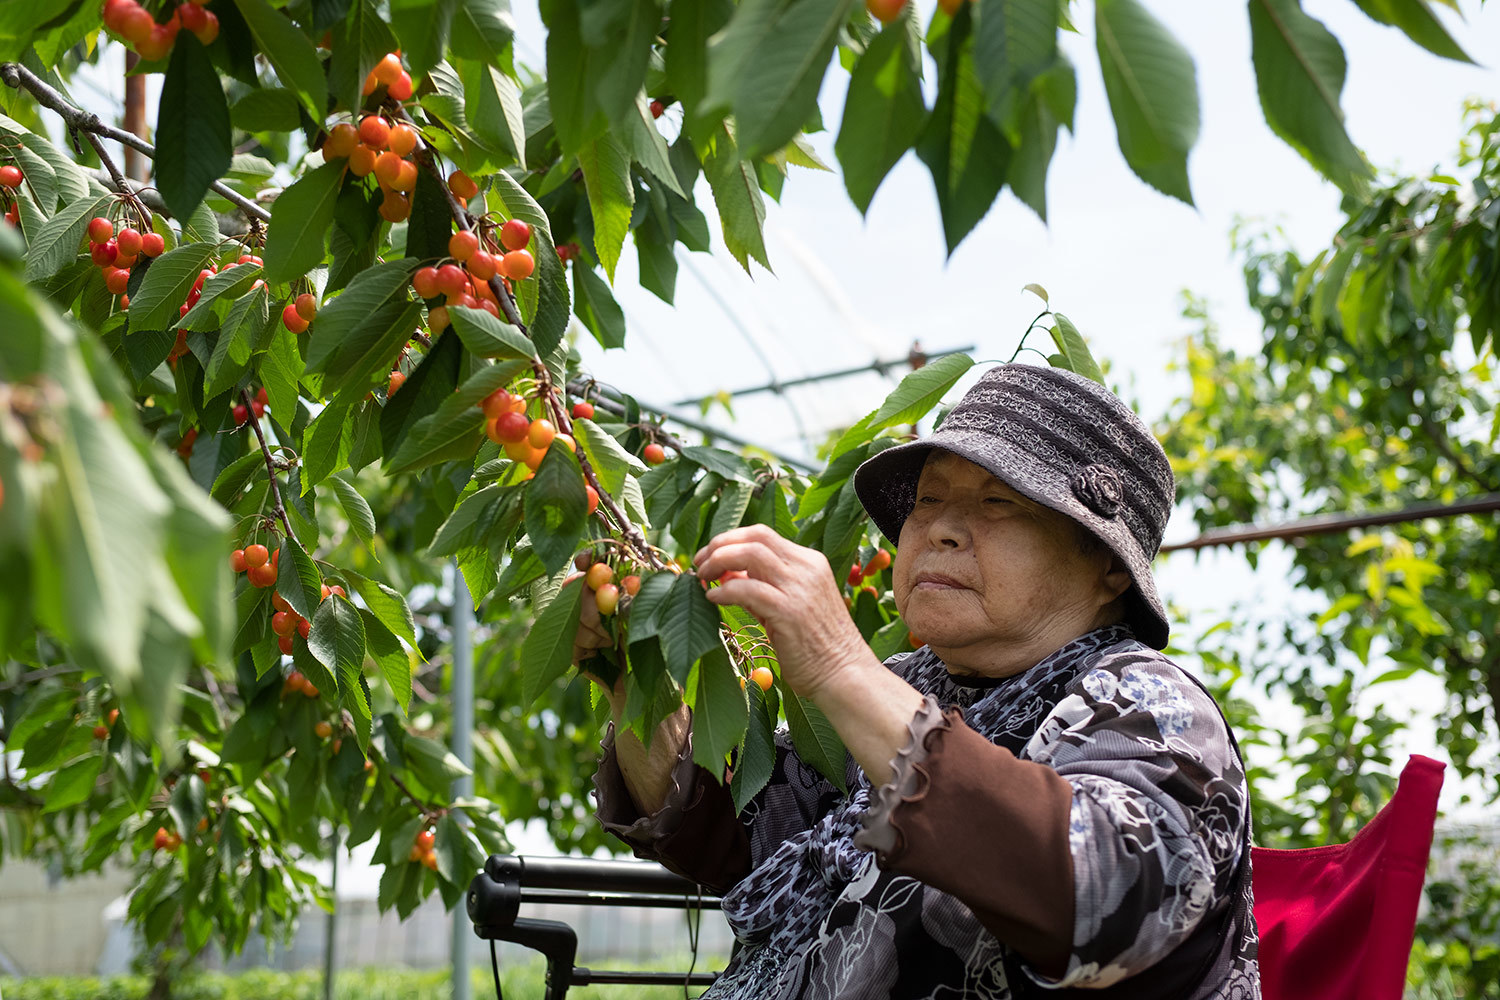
(1336, 923)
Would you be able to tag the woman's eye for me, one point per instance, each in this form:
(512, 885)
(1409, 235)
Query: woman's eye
(998, 500)
(927, 499)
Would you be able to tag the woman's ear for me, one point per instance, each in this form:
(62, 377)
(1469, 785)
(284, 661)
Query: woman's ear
(1116, 579)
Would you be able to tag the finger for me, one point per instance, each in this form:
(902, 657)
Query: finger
(734, 536)
(751, 556)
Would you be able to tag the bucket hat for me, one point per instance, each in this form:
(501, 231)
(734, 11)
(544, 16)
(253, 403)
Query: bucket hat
(1063, 441)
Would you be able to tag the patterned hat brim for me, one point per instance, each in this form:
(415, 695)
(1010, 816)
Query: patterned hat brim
(886, 484)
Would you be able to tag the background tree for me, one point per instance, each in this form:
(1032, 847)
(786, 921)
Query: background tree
(212, 661)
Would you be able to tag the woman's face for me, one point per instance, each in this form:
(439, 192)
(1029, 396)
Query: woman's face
(991, 580)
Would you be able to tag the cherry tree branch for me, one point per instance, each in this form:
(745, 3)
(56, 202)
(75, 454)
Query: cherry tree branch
(121, 184)
(19, 77)
(277, 508)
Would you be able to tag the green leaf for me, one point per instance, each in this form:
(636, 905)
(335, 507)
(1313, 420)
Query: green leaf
(56, 242)
(687, 622)
(482, 30)
(758, 755)
(423, 28)
(816, 740)
(361, 518)
(571, 75)
(388, 606)
(548, 650)
(290, 53)
(556, 507)
(648, 148)
(606, 176)
(1071, 345)
(266, 109)
(166, 285)
(394, 661)
(1153, 94)
(1014, 43)
(767, 65)
(301, 217)
(597, 307)
(457, 423)
(493, 106)
(356, 325)
(962, 147)
(73, 784)
(1416, 19)
(720, 711)
(298, 581)
(337, 639)
(611, 462)
(360, 39)
(920, 391)
(192, 128)
(883, 112)
(326, 443)
(1299, 72)
(241, 328)
(471, 521)
(553, 310)
(230, 283)
(742, 212)
(280, 370)
(488, 336)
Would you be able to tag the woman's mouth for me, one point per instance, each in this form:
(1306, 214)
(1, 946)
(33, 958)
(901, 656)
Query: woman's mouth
(937, 581)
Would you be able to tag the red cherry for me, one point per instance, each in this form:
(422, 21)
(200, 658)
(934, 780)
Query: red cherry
(193, 17)
(262, 576)
(583, 411)
(237, 561)
(152, 244)
(425, 282)
(279, 603)
(303, 627)
(116, 280)
(654, 454)
(284, 642)
(398, 379)
(257, 555)
(388, 68)
(162, 838)
(100, 229)
(451, 281)
(657, 107)
(241, 415)
(283, 623)
(885, 11)
(258, 408)
(387, 166)
(515, 234)
(361, 160)
(462, 186)
(374, 132)
(11, 176)
(512, 427)
(855, 575)
(292, 319)
(462, 245)
(261, 397)
(307, 306)
(104, 253)
(210, 29)
(517, 265)
(401, 88)
(342, 140)
(157, 44)
(482, 265)
(495, 403)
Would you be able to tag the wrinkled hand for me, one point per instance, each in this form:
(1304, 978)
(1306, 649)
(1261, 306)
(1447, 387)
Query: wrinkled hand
(792, 592)
(592, 636)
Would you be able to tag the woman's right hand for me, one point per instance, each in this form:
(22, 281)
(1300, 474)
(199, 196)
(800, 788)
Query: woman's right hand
(593, 636)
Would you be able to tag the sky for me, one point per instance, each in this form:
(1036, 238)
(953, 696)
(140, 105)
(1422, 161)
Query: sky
(1115, 256)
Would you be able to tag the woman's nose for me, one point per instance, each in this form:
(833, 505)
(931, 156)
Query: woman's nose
(949, 529)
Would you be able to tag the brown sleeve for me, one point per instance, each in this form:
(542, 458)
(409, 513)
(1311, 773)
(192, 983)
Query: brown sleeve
(967, 817)
(696, 833)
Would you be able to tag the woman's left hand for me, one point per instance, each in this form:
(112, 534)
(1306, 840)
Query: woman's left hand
(792, 592)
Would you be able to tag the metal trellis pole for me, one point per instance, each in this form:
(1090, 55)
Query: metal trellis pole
(462, 619)
(330, 950)
(1323, 524)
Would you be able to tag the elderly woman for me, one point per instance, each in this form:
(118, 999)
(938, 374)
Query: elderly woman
(1039, 799)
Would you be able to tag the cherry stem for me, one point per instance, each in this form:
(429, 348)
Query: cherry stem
(633, 535)
(277, 509)
(121, 184)
(19, 77)
(429, 812)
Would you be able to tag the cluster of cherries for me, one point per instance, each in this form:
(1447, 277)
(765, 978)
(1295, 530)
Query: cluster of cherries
(257, 406)
(10, 179)
(599, 577)
(390, 74)
(380, 148)
(422, 849)
(164, 841)
(525, 440)
(258, 563)
(859, 574)
(300, 312)
(135, 25)
(179, 348)
(101, 731)
(116, 253)
(297, 683)
(477, 258)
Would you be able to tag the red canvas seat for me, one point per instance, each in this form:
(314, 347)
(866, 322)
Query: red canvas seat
(1336, 923)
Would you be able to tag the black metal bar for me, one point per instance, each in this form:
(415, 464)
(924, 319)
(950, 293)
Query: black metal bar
(573, 897)
(1324, 524)
(879, 367)
(618, 977)
(590, 875)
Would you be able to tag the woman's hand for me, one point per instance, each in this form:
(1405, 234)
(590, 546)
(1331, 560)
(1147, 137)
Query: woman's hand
(791, 591)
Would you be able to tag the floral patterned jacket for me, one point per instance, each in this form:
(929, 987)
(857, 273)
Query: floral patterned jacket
(1081, 826)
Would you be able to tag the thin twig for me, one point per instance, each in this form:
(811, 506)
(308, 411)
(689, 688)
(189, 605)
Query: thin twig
(427, 810)
(121, 184)
(38, 675)
(277, 509)
(19, 77)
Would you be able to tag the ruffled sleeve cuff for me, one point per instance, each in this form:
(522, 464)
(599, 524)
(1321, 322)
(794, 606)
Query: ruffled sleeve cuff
(879, 831)
(617, 811)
